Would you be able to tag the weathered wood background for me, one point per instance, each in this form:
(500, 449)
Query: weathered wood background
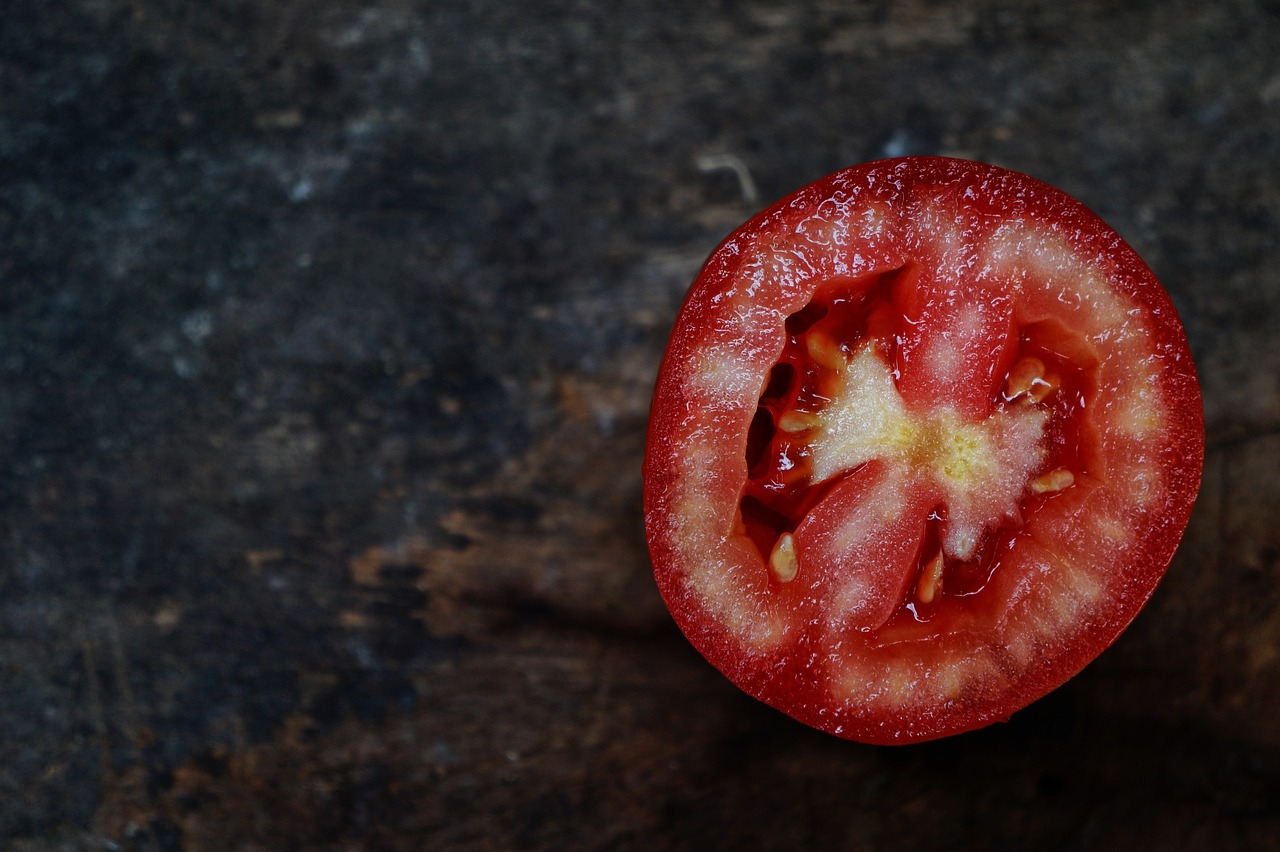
(327, 332)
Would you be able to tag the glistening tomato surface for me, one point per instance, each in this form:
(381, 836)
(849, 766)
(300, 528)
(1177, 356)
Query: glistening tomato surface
(925, 438)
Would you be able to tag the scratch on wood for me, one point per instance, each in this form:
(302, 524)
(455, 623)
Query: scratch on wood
(97, 715)
(258, 558)
(735, 164)
(128, 716)
(600, 701)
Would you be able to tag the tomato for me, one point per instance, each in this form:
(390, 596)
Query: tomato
(924, 440)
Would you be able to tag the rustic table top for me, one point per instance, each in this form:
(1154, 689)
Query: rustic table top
(327, 334)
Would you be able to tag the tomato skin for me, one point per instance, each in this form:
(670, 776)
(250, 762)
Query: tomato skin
(1068, 571)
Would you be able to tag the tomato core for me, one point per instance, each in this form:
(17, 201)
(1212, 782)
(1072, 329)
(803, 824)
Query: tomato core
(1047, 367)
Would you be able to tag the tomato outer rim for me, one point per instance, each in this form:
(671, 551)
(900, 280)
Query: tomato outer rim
(780, 680)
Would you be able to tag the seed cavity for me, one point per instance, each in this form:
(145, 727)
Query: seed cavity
(1053, 481)
(783, 561)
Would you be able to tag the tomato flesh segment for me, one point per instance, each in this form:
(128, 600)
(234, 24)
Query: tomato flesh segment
(851, 548)
(832, 405)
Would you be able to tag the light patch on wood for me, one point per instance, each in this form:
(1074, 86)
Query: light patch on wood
(351, 619)
(168, 616)
(258, 558)
(366, 567)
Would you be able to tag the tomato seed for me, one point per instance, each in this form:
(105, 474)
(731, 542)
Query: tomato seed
(1053, 481)
(783, 561)
(825, 352)
(930, 585)
(798, 421)
(1042, 387)
(1024, 375)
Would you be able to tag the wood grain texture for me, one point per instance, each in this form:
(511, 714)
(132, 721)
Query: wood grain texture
(327, 334)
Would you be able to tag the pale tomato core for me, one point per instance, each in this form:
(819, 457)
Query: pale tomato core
(831, 405)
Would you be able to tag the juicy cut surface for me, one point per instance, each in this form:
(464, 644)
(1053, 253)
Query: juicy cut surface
(925, 438)
(831, 405)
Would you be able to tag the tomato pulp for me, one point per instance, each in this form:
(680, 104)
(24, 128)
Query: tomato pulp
(924, 440)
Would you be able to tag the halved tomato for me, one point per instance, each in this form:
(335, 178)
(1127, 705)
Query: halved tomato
(924, 440)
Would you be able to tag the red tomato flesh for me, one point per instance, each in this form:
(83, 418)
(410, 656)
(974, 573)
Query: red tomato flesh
(924, 441)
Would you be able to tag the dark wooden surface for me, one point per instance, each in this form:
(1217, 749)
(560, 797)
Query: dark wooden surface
(327, 332)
